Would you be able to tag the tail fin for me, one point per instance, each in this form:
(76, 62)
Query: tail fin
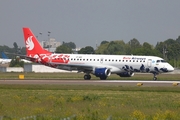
(32, 44)
(4, 55)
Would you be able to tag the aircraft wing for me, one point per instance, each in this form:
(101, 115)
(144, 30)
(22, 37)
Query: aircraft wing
(79, 68)
(83, 67)
(22, 56)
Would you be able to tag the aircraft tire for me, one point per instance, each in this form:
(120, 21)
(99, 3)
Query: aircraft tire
(87, 77)
(155, 78)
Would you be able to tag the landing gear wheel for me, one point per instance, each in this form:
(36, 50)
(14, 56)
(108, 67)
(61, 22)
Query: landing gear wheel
(155, 78)
(87, 77)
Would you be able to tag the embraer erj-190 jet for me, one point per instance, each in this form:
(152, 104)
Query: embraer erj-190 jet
(101, 66)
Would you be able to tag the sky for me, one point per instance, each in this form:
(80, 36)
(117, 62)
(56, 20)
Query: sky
(89, 22)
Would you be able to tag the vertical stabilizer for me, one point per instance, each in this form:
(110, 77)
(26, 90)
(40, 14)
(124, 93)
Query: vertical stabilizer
(32, 44)
(4, 55)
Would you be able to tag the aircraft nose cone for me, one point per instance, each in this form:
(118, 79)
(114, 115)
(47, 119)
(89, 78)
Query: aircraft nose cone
(170, 68)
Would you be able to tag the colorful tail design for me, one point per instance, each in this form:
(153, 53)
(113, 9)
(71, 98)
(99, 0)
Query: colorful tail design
(32, 45)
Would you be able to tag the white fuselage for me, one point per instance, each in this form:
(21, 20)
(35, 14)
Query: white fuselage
(5, 61)
(116, 63)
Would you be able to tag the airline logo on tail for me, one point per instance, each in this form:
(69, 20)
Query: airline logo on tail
(29, 43)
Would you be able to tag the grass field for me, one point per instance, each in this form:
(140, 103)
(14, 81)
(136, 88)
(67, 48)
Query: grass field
(87, 102)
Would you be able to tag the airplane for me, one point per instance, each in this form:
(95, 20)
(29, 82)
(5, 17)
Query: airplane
(4, 55)
(4, 59)
(101, 66)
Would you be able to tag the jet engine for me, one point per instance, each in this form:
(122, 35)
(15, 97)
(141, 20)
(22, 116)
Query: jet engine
(126, 74)
(102, 73)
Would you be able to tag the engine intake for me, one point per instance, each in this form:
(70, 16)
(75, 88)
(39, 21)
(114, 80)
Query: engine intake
(102, 72)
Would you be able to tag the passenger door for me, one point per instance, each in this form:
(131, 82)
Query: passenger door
(149, 63)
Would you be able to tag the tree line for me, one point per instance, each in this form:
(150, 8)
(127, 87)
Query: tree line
(168, 49)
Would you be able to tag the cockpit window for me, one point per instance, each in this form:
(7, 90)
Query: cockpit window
(158, 61)
(162, 61)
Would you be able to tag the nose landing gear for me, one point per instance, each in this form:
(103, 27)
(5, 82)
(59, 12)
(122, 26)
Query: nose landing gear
(155, 76)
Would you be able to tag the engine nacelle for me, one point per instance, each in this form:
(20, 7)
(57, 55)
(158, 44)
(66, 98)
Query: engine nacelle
(126, 74)
(102, 72)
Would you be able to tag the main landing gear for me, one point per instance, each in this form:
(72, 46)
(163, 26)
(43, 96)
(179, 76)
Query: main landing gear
(87, 77)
